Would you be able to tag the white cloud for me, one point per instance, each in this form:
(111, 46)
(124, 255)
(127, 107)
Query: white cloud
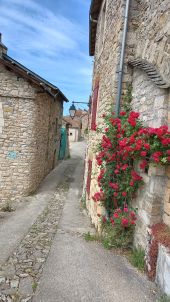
(47, 42)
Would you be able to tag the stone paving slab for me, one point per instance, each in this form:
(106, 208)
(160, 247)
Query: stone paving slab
(14, 225)
(20, 274)
(80, 271)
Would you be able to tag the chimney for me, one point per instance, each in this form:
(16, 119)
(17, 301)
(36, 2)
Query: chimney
(3, 48)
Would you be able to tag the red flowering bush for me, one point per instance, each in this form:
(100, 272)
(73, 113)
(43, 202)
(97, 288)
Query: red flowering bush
(118, 229)
(125, 141)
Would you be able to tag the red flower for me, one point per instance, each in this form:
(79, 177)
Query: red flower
(162, 130)
(125, 222)
(135, 176)
(165, 141)
(112, 221)
(97, 196)
(146, 146)
(116, 171)
(132, 183)
(122, 113)
(132, 222)
(116, 215)
(125, 210)
(124, 167)
(99, 215)
(143, 153)
(124, 194)
(156, 156)
(114, 186)
(115, 194)
(134, 114)
(143, 164)
(104, 219)
(123, 142)
(168, 152)
(133, 215)
(132, 122)
(132, 139)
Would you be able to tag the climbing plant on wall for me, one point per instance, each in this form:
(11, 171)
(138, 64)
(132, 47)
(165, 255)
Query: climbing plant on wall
(126, 141)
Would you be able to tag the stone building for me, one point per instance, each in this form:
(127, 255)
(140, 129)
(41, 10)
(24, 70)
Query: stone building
(74, 130)
(147, 71)
(78, 126)
(30, 119)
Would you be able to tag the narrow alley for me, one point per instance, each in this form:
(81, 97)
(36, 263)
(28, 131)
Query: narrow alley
(53, 230)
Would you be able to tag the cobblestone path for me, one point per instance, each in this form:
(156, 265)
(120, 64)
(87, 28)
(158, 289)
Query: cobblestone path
(20, 274)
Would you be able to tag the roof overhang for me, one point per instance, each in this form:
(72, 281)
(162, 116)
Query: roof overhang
(93, 17)
(26, 73)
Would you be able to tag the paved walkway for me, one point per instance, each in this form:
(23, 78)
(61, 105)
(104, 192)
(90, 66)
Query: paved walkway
(15, 225)
(80, 271)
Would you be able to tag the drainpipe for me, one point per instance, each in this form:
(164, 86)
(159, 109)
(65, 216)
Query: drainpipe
(122, 55)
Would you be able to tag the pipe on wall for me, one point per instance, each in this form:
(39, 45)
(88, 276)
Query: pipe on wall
(122, 56)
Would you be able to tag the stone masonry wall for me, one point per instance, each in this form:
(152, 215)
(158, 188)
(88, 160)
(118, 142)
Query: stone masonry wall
(105, 68)
(153, 105)
(29, 136)
(148, 38)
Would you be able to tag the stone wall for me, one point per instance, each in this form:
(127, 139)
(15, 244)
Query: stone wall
(147, 39)
(107, 52)
(29, 136)
(84, 129)
(163, 269)
(153, 105)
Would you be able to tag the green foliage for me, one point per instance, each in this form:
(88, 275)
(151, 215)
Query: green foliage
(127, 99)
(7, 208)
(117, 237)
(163, 298)
(86, 131)
(90, 237)
(124, 141)
(83, 201)
(34, 286)
(137, 259)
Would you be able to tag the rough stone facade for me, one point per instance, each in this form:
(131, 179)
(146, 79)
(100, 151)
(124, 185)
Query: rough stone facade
(148, 40)
(30, 122)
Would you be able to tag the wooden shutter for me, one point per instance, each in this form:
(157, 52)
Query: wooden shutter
(89, 177)
(94, 105)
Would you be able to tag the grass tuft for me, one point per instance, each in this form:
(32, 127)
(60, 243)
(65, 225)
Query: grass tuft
(137, 259)
(90, 237)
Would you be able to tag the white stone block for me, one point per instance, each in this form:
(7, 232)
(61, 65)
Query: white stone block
(163, 269)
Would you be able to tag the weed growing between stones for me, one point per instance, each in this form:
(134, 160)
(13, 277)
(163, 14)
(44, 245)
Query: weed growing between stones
(137, 259)
(164, 298)
(83, 202)
(90, 237)
(7, 208)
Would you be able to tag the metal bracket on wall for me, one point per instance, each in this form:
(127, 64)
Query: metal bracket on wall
(151, 72)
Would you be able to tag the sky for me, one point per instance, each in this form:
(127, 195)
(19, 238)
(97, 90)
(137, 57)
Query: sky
(50, 37)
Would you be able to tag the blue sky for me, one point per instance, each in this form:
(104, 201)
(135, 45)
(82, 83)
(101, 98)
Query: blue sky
(50, 37)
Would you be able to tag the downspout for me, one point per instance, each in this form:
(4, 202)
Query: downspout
(122, 56)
